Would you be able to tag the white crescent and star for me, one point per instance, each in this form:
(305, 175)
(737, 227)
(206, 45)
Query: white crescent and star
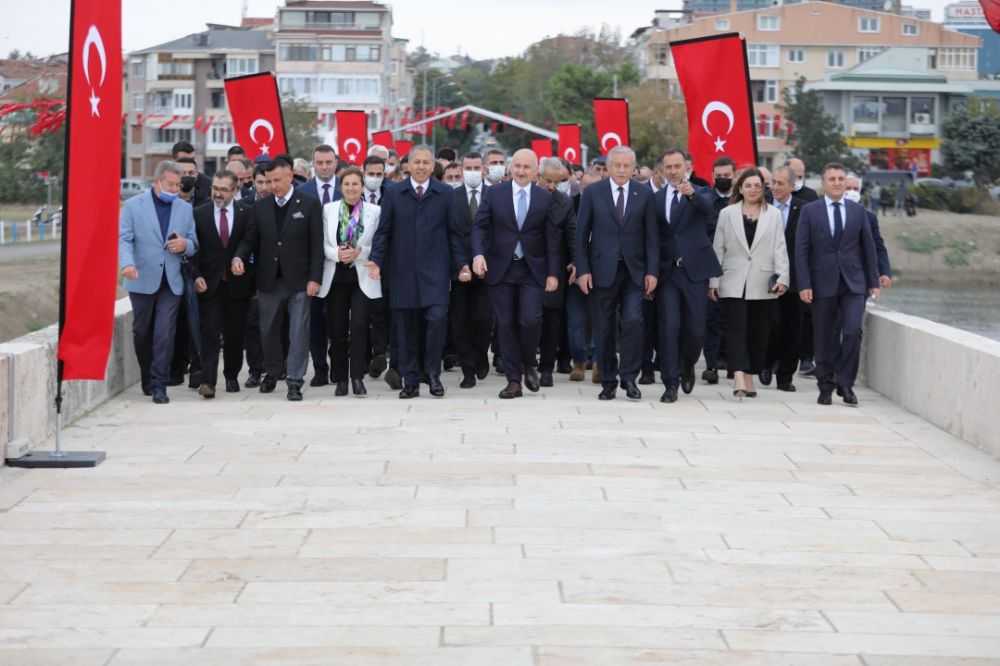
(607, 137)
(570, 155)
(254, 126)
(94, 40)
(724, 109)
(352, 154)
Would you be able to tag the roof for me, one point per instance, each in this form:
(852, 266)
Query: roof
(216, 39)
(343, 5)
(894, 64)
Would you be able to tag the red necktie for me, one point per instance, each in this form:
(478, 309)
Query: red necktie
(223, 227)
(420, 191)
(373, 197)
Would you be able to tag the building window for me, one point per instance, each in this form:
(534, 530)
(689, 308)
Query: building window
(175, 68)
(865, 110)
(351, 53)
(218, 99)
(138, 69)
(171, 135)
(835, 59)
(764, 91)
(241, 66)
(894, 115)
(911, 30)
(394, 68)
(867, 52)
(138, 102)
(766, 127)
(768, 23)
(661, 54)
(922, 111)
(722, 24)
(221, 134)
(299, 52)
(762, 55)
(796, 55)
(956, 59)
(868, 24)
(183, 100)
(163, 100)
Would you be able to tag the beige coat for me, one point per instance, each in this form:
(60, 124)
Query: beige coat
(745, 267)
(331, 218)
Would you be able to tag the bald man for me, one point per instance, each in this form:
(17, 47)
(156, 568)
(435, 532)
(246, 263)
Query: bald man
(515, 244)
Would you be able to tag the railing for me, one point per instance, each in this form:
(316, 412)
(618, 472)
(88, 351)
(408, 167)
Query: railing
(29, 230)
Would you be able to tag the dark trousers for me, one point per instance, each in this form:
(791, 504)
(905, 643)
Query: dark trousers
(648, 335)
(319, 343)
(277, 307)
(680, 325)
(748, 329)
(408, 322)
(714, 330)
(378, 321)
(806, 340)
(841, 314)
(517, 305)
(251, 338)
(551, 338)
(222, 317)
(619, 307)
(470, 316)
(185, 357)
(348, 311)
(154, 321)
(581, 342)
(784, 345)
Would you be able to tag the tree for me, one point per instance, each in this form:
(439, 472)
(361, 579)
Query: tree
(300, 127)
(657, 121)
(972, 141)
(816, 137)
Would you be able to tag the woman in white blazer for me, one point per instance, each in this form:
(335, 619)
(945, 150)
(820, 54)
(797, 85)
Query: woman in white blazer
(750, 245)
(348, 228)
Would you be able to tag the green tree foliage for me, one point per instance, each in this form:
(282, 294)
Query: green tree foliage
(24, 156)
(657, 121)
(300, 127)
(972, 141)
(817, 137)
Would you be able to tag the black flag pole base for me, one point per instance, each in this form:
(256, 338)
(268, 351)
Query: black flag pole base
(58, 460)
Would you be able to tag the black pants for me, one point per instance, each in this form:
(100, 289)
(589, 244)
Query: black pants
(154, 320)
(348, 313)
(618, 308)
(222, 317)
(517, 304)
(251, 338)
(319, 341)
(839, 315)
(552, 333)
(786, 338)
(470, 316)
(748, 327)
(420, 353)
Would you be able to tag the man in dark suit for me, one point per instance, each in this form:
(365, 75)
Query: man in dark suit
(286, 238)
(853, 193)
(515, 241)
(687, 261)
(618, 256)
(554, 351)
(203, 184)
(419, 241)
(836, 271)
(800, 190)
(723, 175)
(223, 298)
(380, 316)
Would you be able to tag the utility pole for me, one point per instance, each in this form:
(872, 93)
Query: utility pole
(615, 86)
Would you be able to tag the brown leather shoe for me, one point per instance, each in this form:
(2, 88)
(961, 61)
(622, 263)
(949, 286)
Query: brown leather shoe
(206, 391)
(513, 390)
(578, 372)
(595, 375)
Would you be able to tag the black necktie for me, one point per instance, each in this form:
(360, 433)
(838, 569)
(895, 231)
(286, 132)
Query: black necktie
(326, 194)
(473, 205)
(620, 206)
(675, 204)
(838, 223)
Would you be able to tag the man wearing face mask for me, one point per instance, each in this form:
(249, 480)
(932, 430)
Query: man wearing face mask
(380, 315)
(392, 172)
(470, 315)
(453, 175)
(155, 231)
(203, 184)
(189, 181)
(553, 176)
(853, 193)
(800, 190)
(496, 167)
(807, 195)
(187, 340)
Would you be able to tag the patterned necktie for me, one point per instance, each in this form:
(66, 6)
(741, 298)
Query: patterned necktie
(223, 227)
(838, 223)
(620, 205)
(522, 213)
(473, 205)
(420, 191)
(373, 198)
(675, 204)
(326, 193)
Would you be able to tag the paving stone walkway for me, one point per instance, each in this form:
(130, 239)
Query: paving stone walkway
(554, 530)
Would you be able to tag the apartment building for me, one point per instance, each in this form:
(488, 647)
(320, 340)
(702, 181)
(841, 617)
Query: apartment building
(968, 17)
(708, 7)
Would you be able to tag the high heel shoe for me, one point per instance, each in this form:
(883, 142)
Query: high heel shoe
(738, 394)
(750, 394)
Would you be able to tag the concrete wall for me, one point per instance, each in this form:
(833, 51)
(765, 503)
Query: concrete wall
(34, 385)
(942, 374)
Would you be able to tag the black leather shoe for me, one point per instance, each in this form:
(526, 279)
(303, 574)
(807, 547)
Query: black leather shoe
(545, 379)
(765, 377)
(318, 380)
(468, 379)
(564, 367)
(450, 361)
(175, 380)
(850, 399)
(824, 399)
(669, 395)
(253, 381)
(647, 376)
(425, 378)
(788, 387)
(341, 389)
(409, 392)
(632, 391)
(377, 366)
(268, 383)
(483, 369)
(294, 393)
(513, 390)
(840, 392)
(531, 379)
(194, 380)
(160, 396)
(807, 368)
(437, 388)
(607, 393)
(282, 376)
(393, 379)
(710, 376)
(147, 391)
(232, 385)
(358, 388)
(687, 382)
(206, 391)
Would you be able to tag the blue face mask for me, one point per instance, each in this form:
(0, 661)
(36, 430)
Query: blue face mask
(166, 196)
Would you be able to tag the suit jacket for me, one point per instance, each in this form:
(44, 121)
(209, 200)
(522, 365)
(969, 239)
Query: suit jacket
(495, 234)
(331, 221)
(686, 237)
(213, 260)
(747, 268)
(465, 219)
(601, 240)
(794, 210)
(142, 244)
(807, 194)
(419, 243)
(298, 249)
(881, 253)
(821, 262)
(311, 187)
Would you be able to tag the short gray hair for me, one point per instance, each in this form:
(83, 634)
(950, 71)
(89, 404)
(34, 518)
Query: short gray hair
(167, 166)
(787, 170)
(376, 148)
(422, 146)
(547, 163)
(622, 150)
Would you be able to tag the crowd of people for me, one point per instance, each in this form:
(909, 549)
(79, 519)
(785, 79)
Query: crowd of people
(404, 268)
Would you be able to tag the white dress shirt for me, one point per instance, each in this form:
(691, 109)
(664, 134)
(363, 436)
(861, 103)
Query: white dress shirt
(281, 201)
(614, 194)
(670, 198)
(368, 196)
(527, 194)
(333, 188)
(784, 207)
(829, 213)
(229, 218)
(479, 194)
(423, 184)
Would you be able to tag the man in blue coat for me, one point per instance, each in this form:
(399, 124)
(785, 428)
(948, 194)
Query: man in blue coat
(155, 230)
(419, 240)
(836, 270)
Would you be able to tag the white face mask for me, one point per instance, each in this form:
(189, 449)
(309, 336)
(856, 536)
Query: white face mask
(372, 183)
(799, 184)
(455, 184)
(390, 169)
(852, 195)
(496, 172)
(565, 187)
(473, 178)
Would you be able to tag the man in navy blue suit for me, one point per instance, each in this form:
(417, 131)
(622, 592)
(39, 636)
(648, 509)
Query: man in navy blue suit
(618, 256)
(516, 244)
(687, 261)
(837, 271)
(419, 240)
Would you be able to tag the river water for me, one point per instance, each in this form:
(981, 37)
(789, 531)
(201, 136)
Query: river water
(973, 309)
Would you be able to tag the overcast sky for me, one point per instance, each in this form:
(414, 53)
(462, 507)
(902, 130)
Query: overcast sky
(498, 29)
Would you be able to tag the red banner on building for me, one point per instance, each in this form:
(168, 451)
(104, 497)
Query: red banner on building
(570, 146)
(611, 123)
(255, 108)
(383, 138)
(719, 103)
(542, 147)
(91, 197)
(352, 136)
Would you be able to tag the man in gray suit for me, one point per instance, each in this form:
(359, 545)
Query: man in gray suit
(155, 230)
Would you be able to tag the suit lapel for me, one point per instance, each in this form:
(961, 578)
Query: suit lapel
(631, 202)
(741, 233)
(294, 203)
(763, 226)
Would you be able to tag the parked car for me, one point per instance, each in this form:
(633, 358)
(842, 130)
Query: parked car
(132, 187)
(886, 177)
(932, 182)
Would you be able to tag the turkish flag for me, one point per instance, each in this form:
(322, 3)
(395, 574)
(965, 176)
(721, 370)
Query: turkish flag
(255, 108)
(611, 122)
(403, 148)
(570, 148)
(542, 147)
(383, 138)
(719, 104)
(352, 136)
(991, 8)
(89, 276)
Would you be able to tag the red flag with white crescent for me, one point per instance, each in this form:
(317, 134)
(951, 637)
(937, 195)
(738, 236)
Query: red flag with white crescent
(542, 147)
(352, 136)
(719, 103)
(383, 138)
(91, 197)
(991, 8)
(611, 123)
(570, 146)
(403, 148)
(255, 108)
